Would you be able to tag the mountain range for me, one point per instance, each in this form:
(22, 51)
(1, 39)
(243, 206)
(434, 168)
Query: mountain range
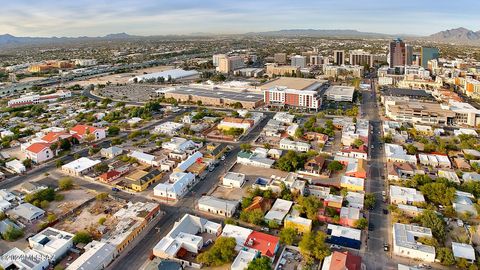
(458, 35)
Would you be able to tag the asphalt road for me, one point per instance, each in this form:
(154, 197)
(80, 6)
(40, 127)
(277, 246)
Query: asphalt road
(138, 254)
(376, 257)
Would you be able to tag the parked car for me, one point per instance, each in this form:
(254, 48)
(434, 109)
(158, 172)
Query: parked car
(115, 189)
(385, 247)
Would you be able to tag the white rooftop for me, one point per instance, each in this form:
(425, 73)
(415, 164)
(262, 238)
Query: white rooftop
(461, 250)
(279, 210)
(81, 164)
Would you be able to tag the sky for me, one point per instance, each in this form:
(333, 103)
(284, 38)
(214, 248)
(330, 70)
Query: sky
(162, 17)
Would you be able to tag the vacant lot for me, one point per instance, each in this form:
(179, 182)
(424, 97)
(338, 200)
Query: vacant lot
(72, 198)
(90, 215)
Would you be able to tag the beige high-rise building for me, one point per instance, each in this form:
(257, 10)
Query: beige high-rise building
(228, 64)
(360, 58)
(274, 69)
(280, 58)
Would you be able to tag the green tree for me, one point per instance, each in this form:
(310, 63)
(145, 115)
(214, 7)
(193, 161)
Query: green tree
(445, 256)
(51, 217)
(370, 201)
(299, 133)
(83, 237)
(313, 245)
(411, 149)
(428, 218)
(309, 206)
(102, 220)
(288, 236)
(102, 196)
(246, 147)
(58, 163)
(222, 252)
(113, 131)
(27, 163)
(357, 143)
(65, 183)
(101, 168)
(260, 263)
(361, 223)
(12, 233)
(439, 193)
(254, 217)
(335, 166)
(272, 224)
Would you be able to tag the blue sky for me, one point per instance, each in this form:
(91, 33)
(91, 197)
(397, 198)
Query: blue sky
(159, 17)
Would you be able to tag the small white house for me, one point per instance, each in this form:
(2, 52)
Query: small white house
(16, 166)
(217, 206)
(232, 179)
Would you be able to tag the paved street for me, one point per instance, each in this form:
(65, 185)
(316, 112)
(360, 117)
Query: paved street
(376, 257)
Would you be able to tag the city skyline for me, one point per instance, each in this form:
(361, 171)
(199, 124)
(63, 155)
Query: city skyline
(97, 18)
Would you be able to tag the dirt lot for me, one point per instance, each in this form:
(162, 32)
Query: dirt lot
(89, 216)
(72, 199)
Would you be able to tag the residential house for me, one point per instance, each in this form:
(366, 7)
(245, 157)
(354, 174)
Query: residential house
(52, 243)
(27, 211)
(80, 166)
(97, 256)
(344, 236)
(463, 251)
(217, 206)
(349, 216)
(404, 195)
(405, 242)
(185, 236)
(279, 211)
(176, 188)
(314, 166)
(299, 224)
(39, 152)
(265, 244)
(111, 152)
(287, 144)
(83, 132)
(399, 170)
(352, 183)
(232, 179)
(342, 261)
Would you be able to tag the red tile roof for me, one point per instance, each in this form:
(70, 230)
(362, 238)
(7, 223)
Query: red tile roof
(109, 175)
(82, 129)
(345, 261)
(54, 136)
(37, 147)
(264, 243)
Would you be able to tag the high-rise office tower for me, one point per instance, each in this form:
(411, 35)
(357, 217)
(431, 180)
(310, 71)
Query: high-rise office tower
(409, 55)
(397, 53)
(299, 61)
(427, 54)
(339, 57)
(360, 58)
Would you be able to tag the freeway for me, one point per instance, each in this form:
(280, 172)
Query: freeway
(138, 254)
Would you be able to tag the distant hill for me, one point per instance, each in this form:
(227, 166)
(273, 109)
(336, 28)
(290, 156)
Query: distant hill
(320, 33)
(458, 35)
(9, 40)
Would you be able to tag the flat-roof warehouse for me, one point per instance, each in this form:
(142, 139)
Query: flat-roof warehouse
(215, 97)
